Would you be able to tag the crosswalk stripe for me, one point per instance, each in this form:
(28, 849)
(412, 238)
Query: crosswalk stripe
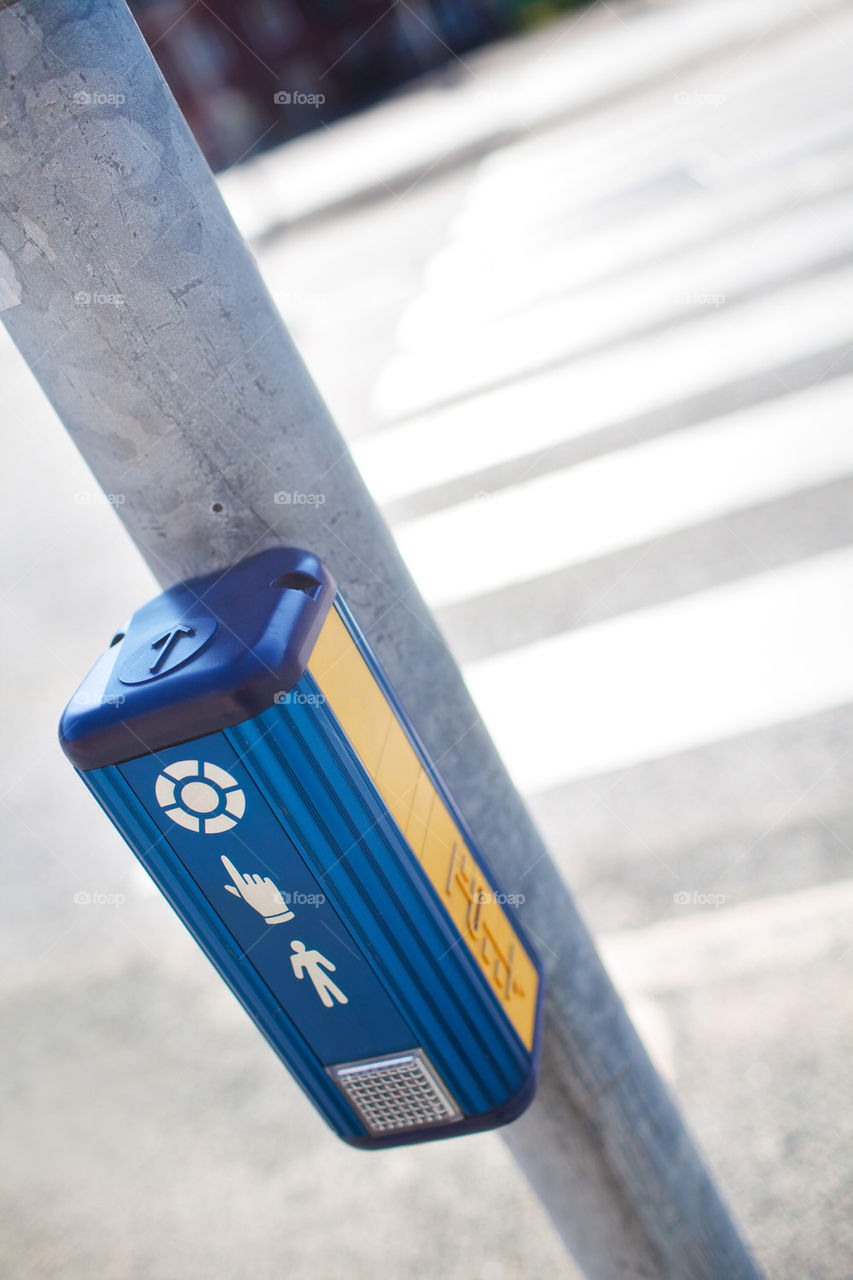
(709, 121)
(473, 293)
(611, 386)
(760, 257)
(761, 333)
(628, 497)
(756, 123)
(728, 943)
(666, 679)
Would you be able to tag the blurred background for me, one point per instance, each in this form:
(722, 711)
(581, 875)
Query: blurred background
(577, 286)
(225, 62)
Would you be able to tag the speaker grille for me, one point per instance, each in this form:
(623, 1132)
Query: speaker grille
(400, 1092)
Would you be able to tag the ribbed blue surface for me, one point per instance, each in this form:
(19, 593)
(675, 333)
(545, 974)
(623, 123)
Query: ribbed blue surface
(313, 817)
(159, 859)
(300, 759)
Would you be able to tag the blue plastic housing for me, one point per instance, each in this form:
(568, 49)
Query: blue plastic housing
(356, 974)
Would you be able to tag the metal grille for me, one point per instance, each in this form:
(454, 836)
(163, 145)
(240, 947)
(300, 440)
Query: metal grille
(403, 1092)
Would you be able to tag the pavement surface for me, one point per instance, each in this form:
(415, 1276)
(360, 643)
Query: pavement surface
(583, 308)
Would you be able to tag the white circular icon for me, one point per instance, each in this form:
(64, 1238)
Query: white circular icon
(200, 796)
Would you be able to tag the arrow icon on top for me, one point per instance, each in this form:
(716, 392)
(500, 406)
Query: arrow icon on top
(166, 644)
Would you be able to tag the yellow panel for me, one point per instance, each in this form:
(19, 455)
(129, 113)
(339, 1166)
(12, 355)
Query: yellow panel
(398, 773)
(389, 757)
(482, 921)
(350, 690)
(442, 837)
(422, 801)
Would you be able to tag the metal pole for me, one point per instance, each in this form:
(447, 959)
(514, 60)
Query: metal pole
(132, 297)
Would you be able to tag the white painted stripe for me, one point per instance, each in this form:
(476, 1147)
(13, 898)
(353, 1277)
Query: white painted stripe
(702, 669)
(778, 935)
(374, 147)
(632, 495)
(660, 42)
(759, 257)
(465, 289)
(543, 336)
(610, 386)
(754, 86)
(520, 186)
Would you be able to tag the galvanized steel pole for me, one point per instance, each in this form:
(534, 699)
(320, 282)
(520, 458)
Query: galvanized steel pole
(134, 300)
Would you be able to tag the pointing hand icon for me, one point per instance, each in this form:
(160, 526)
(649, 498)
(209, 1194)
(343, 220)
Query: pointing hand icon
(260, 893)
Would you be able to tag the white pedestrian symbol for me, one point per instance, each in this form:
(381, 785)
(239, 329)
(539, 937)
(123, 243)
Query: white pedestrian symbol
(312, 963)
(260, 893)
